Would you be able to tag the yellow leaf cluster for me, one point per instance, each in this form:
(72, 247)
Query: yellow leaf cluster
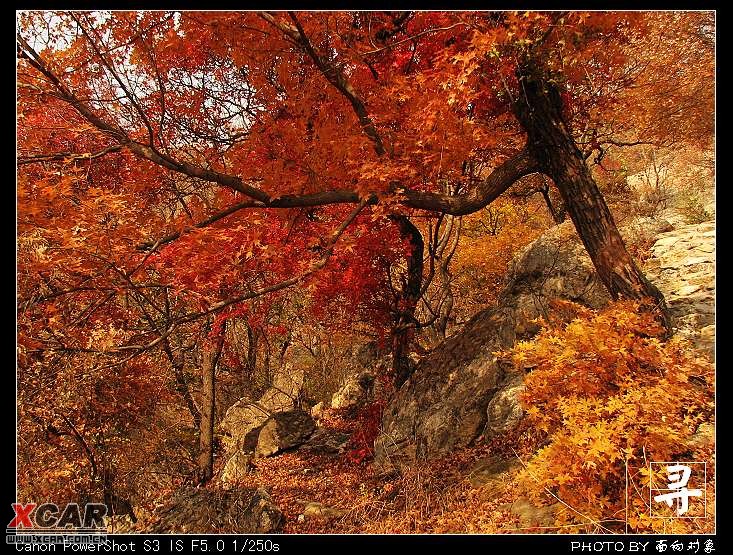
(611, 397)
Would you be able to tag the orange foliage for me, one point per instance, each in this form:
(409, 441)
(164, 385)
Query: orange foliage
(76, 424)
(608, 393)
(491, 239)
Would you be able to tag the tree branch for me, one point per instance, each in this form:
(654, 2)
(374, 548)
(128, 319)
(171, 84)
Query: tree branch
(315, 266)
(71, 156)
(142, 150)
(500, 179)
(415, 36)
(152, 245)
(332, 74)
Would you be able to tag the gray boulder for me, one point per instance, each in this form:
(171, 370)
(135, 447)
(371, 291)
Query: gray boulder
(504, 411)
(555, 265)
(682, 265)
(325, 441)
(318, 410)
(354, 392)
(246, 414)
(283, 431)
(237, 467)
(443, 405)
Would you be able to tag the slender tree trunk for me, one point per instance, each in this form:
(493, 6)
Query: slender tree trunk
(557, 210)
(183, 389)
(177, 363)
(447, 305)
(539, 108)
(208, 406)
(444, 251)
(267, 352)
(284, 348)
(251, 366)
(181, 384)
(410, 294)
(116, 505)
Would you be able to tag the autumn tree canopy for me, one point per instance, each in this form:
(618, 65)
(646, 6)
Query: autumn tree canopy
(181, 170)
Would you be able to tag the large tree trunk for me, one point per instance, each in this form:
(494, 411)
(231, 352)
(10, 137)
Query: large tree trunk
(539, 108)
(410, 295)
(208, 406)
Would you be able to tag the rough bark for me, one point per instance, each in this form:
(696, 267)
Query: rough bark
(208, 404)
(410, 295)
(539, 108)
(444, 251)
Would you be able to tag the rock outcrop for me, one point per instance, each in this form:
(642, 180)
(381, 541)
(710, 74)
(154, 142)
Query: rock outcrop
(283, 431)
(206, 511)
(237, 467)
(245, 416)
(354, 392)
(243, 421)
(443, 404)
(682, 265)
(461, 392)
(326, 441)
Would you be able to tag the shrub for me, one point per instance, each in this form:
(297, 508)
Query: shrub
(692, 209)
(368, 423)
(607, 393)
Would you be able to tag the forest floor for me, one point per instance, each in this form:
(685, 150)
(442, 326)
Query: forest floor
(434, 497)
